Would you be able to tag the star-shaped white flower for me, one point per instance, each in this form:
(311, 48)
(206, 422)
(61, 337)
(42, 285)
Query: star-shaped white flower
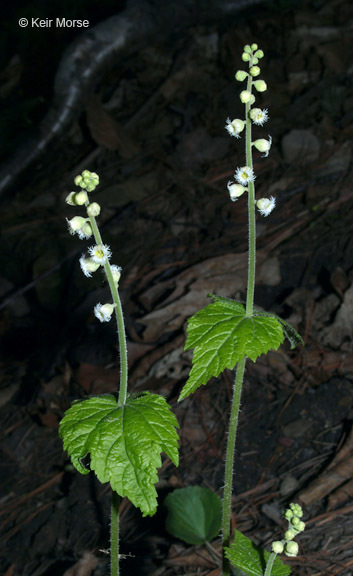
(100, 253)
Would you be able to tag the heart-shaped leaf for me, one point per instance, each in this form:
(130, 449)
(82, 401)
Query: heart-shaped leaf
(222, 334)
(124, 442)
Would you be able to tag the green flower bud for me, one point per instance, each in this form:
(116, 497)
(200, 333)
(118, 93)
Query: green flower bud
(301, 526)
(247, 49)
(291, 549)
(277, 547)
(81, 198)
(78, 180)
(260, 85)
(245, 96)
(241, 75)
(296, 509)
(288, 514)
(255, 60)
(90, 187)
(259, 54)
(289, 535)
(295, 521)
(245, 57)
(255, 71)
(93, 209)
(254, 47)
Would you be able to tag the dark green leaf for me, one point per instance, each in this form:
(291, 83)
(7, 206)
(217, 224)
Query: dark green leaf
(251, 559)
(194, 514)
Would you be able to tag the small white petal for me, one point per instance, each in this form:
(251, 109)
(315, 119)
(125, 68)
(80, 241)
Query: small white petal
(103, 311)
(100, 253)
(266, 205)
(244, 175)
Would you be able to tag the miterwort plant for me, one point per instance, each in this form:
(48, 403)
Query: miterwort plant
(123, 434)
(226, 333)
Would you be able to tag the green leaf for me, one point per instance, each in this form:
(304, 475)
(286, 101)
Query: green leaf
(251, 559)
(124, 442)
(290, 333)
(222, 335)
(194, 514)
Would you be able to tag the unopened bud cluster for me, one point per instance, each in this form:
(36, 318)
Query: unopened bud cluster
(295, 525)
(85, 227)
(245, 175)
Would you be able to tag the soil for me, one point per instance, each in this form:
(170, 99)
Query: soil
(154, 131)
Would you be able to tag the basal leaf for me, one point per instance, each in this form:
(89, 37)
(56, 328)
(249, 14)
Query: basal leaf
(124, 442)
(194, 514)
(251, 559)
(221, 335)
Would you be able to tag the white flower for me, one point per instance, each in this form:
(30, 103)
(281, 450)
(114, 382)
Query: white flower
(263, 145)
(104, 311)
(75, 224)
(88, 266)
(116, 273)
(266, 205)
(259, 116)
(234, 127)
(244, 175)
(100, 253)
(85, 232)
(235, 190)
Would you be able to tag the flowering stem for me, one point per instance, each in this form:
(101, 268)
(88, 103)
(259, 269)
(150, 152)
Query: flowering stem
(114, 527)
(119, 318)
(238, 382)
(251, 213)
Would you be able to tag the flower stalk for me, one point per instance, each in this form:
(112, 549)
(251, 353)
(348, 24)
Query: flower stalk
(244, 176)
(99, 256)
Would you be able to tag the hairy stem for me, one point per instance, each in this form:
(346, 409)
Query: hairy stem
(114, 527)
(228, 480)
(119, 318)
(238, 383)
(114, 536)
(251, 214)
